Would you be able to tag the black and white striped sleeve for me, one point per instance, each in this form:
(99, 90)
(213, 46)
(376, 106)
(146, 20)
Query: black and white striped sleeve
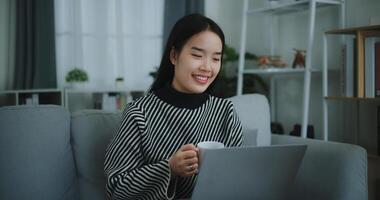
(127, 175)
(234, 127)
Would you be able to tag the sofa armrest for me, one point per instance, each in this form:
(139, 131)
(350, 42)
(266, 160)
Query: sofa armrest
(329, 170)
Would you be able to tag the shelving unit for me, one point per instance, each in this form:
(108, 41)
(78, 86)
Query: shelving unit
(31, 97)
(286, 8)
(104, 99)
(360, 33)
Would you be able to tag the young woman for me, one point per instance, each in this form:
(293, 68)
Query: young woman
(154, 154)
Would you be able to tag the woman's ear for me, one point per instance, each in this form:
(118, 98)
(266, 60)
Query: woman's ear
(173, 56)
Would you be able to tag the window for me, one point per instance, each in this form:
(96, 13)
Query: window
(109, 39)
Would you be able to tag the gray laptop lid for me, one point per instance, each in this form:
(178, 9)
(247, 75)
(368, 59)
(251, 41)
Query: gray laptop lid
(242, 173)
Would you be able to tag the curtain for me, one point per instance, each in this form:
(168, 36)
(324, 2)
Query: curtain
(7, 43)
(35, 45)
(175, 9)
(109, 39)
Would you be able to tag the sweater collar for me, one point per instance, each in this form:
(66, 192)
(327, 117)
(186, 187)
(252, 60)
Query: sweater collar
(180, 99)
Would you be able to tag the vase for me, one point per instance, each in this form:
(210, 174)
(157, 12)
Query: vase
(119, 84)
(77, 85)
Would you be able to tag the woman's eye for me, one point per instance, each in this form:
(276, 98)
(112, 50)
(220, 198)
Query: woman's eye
(196, 55)
(216, 59)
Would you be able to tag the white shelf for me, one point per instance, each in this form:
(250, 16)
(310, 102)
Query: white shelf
(274, 71)
(291, 7)
(309, 6)
(34, 96)
(105, 90)
(110, 99)
(30, 91)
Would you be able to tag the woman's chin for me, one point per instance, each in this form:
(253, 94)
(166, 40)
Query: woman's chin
(199, 89)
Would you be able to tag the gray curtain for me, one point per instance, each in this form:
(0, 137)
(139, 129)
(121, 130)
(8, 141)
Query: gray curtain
(35, 45)
(175, 9)
(7, 43)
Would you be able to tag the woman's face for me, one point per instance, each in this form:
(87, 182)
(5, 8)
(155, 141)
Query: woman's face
(198, 63)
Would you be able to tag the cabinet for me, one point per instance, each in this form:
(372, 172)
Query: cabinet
(102, 99)
(31, 97)
(360, 34)
(72, 99)
(286, 7)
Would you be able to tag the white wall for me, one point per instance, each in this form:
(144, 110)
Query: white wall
(292, 33)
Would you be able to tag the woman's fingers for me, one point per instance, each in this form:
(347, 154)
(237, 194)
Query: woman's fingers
(190, 161)
(185, 161)
(189, 154)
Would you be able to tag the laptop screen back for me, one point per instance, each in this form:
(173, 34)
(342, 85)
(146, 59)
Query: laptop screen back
(248, 172)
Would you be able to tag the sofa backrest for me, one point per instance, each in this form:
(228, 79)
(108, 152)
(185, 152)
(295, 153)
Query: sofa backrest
(35, 153)
(253, 112)
(91, 132)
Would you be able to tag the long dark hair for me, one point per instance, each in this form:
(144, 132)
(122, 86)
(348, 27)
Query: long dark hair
(183, 30)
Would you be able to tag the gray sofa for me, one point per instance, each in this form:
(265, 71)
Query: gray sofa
(48, 153)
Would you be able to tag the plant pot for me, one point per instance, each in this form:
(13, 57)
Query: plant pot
(119, 84)
(78, 85)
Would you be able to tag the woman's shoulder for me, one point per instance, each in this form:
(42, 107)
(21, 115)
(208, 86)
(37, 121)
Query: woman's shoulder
(141, 102)
(221, 101)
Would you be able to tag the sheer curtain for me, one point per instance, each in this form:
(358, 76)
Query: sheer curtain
(109, 39)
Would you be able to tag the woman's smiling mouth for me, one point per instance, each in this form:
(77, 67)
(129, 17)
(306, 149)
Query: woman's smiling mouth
(201, 78)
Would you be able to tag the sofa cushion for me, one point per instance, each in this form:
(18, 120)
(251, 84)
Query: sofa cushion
(329, 170)
(249, 137)
(35, 153)
(253, 111)
(91, 131)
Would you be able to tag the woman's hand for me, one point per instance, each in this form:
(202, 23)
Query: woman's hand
(185, 161)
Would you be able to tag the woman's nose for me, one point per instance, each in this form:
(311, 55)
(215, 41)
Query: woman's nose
(206, 65)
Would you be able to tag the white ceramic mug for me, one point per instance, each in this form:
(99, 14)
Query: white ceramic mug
(204, 146)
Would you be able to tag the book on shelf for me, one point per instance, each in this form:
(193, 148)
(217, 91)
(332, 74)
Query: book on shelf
(349, 67)
(378, 130)
(377, 69)
(369, 60)
(33, 100)
(370, 69)
(113, 101)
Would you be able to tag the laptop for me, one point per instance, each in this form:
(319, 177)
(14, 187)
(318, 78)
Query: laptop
(248, 173)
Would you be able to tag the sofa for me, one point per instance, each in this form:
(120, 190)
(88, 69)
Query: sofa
(46, 152)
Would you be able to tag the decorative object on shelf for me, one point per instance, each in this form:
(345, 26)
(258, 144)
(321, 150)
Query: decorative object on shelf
(297, 131)
(276, 61)
(119, 82)
(277, 128)
(76, 77)
(299, 58)
(273, 2)
(263, 62)
(270, 61)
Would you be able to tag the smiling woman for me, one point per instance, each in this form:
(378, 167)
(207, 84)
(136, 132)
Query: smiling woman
(153, 155)
(199, 62)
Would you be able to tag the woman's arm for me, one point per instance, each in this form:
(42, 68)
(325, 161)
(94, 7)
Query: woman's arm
(127, 175)
(234, 128)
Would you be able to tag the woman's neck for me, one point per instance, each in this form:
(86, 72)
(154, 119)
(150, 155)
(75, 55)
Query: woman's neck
(181, 99)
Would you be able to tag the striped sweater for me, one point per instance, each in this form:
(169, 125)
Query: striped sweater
(152, 130)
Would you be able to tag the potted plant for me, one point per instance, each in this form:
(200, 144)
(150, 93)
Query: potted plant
(76, 77)
(252, 83)
(119, 82)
